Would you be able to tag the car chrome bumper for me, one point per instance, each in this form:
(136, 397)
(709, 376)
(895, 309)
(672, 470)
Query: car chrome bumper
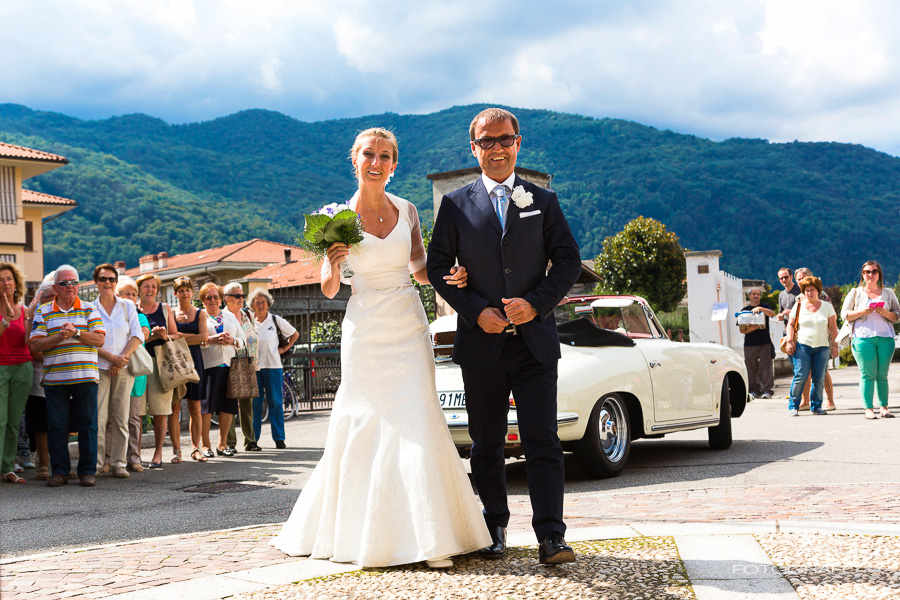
(460, 421)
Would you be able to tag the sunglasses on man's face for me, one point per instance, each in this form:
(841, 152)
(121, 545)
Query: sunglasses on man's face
(107, 279)
(488, 142)
(70, 283)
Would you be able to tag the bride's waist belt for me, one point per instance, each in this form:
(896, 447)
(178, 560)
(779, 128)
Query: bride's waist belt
(394, 278)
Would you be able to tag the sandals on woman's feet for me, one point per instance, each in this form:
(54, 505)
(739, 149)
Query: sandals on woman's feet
(177, 458)
(198, 456)
(11, 477)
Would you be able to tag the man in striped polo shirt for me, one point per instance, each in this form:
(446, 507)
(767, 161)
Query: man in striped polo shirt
(68, 332)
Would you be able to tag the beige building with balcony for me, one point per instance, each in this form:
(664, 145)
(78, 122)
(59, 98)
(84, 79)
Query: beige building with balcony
(23, 213)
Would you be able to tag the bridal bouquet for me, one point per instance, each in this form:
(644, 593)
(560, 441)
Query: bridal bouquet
(332, 223)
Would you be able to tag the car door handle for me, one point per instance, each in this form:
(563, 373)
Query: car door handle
(654, 364)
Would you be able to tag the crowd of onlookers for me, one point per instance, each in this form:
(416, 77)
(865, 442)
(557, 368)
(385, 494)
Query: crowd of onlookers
(811, 337)
(66, 367)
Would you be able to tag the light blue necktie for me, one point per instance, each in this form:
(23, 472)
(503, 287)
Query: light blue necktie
(501, 193)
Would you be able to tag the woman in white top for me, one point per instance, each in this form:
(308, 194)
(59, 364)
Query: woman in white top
(225, 335)
(811, 331)
(123, 336)
(270, 373)
(872, 309)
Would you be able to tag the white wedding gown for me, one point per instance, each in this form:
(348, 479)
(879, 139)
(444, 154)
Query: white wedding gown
(390, 488)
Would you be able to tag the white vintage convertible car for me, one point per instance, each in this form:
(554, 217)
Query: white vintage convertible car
(620, 379)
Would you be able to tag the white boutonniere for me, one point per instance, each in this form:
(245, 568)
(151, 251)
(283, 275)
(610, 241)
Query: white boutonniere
(522, 198)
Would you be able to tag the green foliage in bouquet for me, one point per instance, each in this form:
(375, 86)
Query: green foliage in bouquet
(333, 223)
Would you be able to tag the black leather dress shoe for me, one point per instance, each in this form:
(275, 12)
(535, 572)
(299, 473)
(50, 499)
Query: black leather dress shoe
(280, 444)
(252, 447)
(555, 551)
(497, 549)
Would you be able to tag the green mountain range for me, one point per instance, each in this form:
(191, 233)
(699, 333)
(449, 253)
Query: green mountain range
(144, 186)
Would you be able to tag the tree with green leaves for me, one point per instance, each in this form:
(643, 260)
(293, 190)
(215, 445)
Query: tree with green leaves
(646, 260)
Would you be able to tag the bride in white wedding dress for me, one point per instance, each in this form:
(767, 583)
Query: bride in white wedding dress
(390, 488)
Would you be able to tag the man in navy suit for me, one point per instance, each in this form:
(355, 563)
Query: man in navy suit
(507, 232)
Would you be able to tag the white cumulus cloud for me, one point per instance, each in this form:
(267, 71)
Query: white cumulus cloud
(811, 70)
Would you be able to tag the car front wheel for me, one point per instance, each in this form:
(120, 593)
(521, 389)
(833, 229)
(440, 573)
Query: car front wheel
(720, 435)
(604, 449)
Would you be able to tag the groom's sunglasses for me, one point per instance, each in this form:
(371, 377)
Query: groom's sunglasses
(487, 143)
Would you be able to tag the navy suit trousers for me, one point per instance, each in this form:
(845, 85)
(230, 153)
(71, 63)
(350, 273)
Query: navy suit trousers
(533, 385)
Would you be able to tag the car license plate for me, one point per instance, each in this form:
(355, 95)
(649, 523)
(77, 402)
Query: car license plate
(452, 399)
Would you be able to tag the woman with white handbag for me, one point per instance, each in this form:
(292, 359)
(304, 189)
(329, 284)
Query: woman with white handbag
(123, 337)
(872, 309)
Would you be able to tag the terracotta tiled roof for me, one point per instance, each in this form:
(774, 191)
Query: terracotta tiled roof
(302, 272)
(32, 197)
(21, 152)
(252, 251)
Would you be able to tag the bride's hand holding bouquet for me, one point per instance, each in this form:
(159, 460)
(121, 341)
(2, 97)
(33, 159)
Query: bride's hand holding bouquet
(329, 233)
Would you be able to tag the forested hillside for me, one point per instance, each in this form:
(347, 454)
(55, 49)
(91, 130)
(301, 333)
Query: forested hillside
(145, 186)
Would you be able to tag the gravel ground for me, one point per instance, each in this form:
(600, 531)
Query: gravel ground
(837, 567)
(645, 568)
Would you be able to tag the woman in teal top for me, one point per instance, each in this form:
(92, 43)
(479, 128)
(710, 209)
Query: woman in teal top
(127, 290)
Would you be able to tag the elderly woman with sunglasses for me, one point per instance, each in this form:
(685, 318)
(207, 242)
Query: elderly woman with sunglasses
(872, 310)
(225, 337)
(234, 302)
(811, 331)
(123, 337)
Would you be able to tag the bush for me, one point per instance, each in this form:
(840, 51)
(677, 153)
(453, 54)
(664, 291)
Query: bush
(675, 320)
(644, 259)
(846, 356)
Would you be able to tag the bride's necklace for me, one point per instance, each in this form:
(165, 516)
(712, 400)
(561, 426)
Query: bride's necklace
(381, 214)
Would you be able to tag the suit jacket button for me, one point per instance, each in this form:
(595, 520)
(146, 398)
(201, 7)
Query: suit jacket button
(506, 240)
(507, 271)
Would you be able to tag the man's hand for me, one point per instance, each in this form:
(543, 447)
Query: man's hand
(491, 320)
(67, 331)
(457, 277)
(518, 310)
(117, 360)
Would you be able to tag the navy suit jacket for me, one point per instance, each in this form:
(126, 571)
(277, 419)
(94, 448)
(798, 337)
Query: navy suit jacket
(503, 264)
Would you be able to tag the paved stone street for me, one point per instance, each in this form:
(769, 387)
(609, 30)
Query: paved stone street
(840, 540)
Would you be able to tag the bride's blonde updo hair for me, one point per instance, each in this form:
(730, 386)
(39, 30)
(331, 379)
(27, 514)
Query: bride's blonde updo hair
(376, 132)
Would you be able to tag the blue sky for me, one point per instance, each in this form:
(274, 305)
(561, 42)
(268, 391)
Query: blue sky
(781, 70)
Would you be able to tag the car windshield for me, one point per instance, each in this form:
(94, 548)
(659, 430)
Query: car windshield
(622, 315)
